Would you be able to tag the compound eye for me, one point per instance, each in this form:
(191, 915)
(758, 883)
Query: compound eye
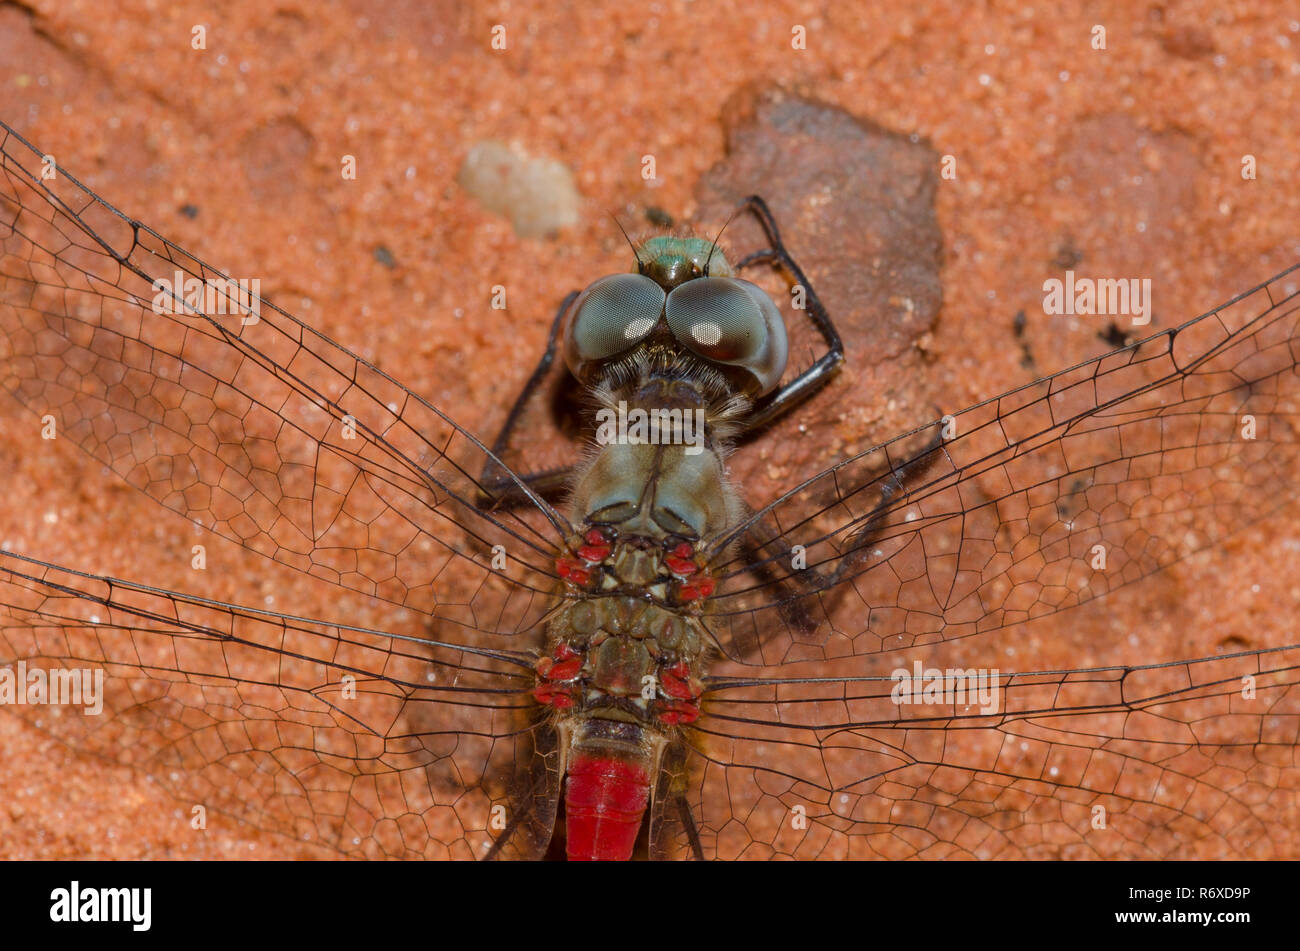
(612, 315)
(732, 322)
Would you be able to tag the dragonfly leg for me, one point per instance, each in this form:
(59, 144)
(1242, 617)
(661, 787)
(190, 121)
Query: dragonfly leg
(767, 554)
(535, 797)
(497, 488)
(828, 364)
(687, 820)
(671, 821)
(894, 487)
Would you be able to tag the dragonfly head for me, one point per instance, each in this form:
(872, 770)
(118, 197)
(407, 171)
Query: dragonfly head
(683, 299)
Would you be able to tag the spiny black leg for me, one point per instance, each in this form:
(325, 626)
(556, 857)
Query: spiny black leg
(918, 467)
(895, 486)
(688, 825)
(762, 550)
(821, 372)
(521, 816)
(497, 489)
(765, 552)
(535, 796)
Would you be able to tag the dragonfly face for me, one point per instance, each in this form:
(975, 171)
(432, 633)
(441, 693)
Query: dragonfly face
(736, 690)
(682, 309)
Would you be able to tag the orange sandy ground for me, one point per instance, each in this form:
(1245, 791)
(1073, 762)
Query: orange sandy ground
(251, 131)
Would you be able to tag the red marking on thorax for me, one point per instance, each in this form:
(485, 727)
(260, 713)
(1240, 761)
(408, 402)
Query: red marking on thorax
(573, 571)
(597, 547)
(556, 677)
(679, 560)
(696, 590)
(604, 801)
(594, 548)
(674, 680)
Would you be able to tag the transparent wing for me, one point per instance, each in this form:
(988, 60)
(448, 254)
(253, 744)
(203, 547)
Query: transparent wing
(230, 411)
(362, 742)
(1032, 502)
(1190, 759)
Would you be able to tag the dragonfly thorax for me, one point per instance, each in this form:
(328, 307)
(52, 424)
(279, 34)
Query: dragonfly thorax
(658, 463)
(625, 659)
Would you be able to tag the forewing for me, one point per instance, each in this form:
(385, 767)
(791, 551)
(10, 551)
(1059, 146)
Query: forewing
(235, 414)
(1030, 503)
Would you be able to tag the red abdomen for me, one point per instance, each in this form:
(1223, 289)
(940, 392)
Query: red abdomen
(604, 801)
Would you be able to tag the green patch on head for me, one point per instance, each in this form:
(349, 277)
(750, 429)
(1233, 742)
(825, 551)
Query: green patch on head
(671, 260)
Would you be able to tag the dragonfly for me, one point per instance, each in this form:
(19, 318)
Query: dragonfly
(627, 657)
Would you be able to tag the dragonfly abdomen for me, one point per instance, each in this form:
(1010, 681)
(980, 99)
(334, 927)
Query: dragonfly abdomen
(610, 768)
